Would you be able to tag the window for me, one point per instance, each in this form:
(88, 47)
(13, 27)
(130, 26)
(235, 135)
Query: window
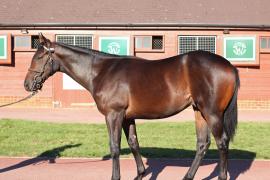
(192, 43)
(149, 43)
(26, 42)
(157, 42)
(143, 42)
(84, 41)
(34, 42)
(265, 44)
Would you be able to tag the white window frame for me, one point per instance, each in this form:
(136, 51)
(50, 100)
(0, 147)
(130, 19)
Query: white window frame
(197, 44)
(74, 35)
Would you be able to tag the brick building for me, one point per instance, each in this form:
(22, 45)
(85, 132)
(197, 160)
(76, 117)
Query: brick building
(237, 30)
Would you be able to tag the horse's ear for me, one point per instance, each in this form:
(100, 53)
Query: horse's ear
(44, 41)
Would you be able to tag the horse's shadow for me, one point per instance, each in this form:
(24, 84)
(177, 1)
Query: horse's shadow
(156, 166)
(158, 159)
(47, 156)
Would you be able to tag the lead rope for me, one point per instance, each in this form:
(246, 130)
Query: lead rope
(23, 99)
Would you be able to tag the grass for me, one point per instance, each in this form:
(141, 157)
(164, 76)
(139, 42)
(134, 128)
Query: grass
(170, 140)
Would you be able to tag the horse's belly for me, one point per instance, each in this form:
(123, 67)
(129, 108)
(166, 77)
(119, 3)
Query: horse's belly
(162, 107)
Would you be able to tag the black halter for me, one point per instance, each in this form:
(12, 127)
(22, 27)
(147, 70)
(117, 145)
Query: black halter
(38, 80)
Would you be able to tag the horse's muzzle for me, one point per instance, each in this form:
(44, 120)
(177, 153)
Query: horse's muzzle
(33, 86)
(26, 85)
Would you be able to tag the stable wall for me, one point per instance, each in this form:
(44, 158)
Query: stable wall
(254, 92)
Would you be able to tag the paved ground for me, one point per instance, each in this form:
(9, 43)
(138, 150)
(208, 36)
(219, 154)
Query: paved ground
(91, 115)
(97, 169)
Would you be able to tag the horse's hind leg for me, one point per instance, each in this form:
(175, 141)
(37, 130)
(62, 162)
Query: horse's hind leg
(223, 148)
(203, 143)
(129, 127)
(222, 141)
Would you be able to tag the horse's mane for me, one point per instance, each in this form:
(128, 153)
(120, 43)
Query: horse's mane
(87, 51)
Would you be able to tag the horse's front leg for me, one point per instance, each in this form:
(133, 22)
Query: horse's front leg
(114, 121)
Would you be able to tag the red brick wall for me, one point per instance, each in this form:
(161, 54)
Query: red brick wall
(255, 81)
(255, 85)
(12, 79)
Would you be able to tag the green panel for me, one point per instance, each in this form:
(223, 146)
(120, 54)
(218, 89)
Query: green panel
(2, 48)
(119, 46)
(240, 48)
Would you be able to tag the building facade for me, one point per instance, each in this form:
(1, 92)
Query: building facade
(245, 44)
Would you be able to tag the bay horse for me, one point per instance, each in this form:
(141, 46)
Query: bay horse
(126, 88)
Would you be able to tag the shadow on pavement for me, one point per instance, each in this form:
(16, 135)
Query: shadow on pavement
(184, 159)
(49, 155)
(158, 159)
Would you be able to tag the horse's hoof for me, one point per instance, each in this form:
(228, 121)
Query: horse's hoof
(222, 178)
(187, 178)
(139, 177)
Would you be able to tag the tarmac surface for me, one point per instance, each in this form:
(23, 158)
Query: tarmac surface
(99, 169)
(92, 115)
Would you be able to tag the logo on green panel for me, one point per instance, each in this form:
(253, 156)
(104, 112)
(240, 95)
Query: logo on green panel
(114, 45)
(239, 48)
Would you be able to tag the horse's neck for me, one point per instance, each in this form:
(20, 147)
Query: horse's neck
(79, 66)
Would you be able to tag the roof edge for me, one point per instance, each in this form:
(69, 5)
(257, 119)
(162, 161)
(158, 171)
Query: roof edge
(131, 25)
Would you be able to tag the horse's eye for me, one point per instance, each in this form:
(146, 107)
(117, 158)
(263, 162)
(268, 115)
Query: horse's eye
(40, 56)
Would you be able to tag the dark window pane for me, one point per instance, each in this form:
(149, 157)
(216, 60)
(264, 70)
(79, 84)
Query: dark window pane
(187, 44)
(157, 42)
(207, 44)
(83, 41)
(192, 43)
(34, 42)
(65, 39)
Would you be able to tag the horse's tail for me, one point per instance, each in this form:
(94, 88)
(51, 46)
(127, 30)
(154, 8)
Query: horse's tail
(230, 114)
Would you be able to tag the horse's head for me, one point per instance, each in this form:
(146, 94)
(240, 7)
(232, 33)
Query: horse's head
(42, 65)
